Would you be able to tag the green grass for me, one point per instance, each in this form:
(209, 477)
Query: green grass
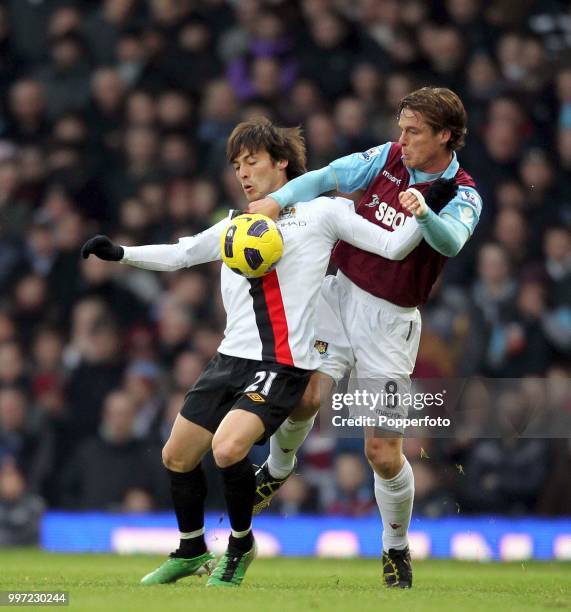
(109, 583)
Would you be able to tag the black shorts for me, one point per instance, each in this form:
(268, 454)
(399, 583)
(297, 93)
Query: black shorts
(269, 390)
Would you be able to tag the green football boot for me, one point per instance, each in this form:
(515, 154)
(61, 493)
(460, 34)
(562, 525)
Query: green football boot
(267, 486)
(231, 568)
(175, 568)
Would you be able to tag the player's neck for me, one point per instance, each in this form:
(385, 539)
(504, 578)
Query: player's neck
(279, 184)
(276, 186)
(437, 165)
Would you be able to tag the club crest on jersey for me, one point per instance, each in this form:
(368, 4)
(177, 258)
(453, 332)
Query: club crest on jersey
(287, 213)
(256, 397)
(321, 346)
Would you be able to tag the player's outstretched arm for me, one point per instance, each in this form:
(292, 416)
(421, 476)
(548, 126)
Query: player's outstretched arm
(187, 252)
(301, 189)
(346, 174)
(354, 229)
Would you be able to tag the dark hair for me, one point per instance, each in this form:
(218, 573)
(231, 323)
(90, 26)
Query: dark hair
(442, 109)
(281, 143)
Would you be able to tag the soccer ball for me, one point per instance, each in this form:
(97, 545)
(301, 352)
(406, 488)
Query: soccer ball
(251, 245)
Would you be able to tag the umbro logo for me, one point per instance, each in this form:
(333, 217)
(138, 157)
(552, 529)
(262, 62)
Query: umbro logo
(395, 525)
(255, 397)
(286, 450)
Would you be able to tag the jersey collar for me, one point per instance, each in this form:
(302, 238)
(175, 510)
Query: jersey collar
(417, 176)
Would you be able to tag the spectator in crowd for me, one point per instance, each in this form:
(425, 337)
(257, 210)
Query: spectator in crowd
(322, 142)
(26, 445)
(269, 40)
(492, 298)
(328, 58)
(351, 124)
(557, 249)
(28, 112)
(12, 365)
(66, 78)
(297, 496)
(142, 383)
(20, 510)
(431, 498)
(187, 368)
(353, 493)
(99, 371)
(109, 466)
(103, 26)
(506, 474)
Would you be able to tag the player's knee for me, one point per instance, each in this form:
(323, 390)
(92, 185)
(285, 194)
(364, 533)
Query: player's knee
(308, 406)
(311, 400)
(384, 455)
(172, 461)
(227, 453)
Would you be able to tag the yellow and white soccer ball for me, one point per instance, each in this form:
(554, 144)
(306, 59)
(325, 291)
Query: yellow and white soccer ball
(251, 245)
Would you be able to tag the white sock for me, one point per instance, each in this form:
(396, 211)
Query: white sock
(284, 444)
(241, 534)
(188, 535)
(394, 498)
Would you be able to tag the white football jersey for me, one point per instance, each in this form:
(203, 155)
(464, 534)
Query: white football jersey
(272, 318)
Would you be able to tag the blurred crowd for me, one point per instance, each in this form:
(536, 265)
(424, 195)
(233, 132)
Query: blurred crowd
(114, 116)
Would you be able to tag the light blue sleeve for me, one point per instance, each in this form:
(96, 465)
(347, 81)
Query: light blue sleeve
(346, 174)
(357, 170)
(305, 187)
(465, 207)
(448, 232)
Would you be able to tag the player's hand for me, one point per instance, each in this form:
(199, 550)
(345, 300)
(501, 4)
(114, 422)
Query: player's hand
(440, 193)
(102, 247)
(413, 201)
(265, 206)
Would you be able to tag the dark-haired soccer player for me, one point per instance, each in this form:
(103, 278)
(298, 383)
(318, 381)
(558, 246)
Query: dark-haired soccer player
(264, 362)
(368, 320)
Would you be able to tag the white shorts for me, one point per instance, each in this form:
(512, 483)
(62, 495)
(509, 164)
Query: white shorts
(359, 333)
(372, 340)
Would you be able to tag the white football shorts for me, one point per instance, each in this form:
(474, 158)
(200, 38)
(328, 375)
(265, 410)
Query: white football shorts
(365, 336)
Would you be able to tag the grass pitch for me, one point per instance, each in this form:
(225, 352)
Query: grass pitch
(109, 583)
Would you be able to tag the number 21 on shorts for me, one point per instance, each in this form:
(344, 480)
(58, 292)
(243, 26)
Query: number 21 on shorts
(261, 378)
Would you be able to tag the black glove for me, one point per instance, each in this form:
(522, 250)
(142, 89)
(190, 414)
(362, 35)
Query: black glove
(440, 193)
(102, 247)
